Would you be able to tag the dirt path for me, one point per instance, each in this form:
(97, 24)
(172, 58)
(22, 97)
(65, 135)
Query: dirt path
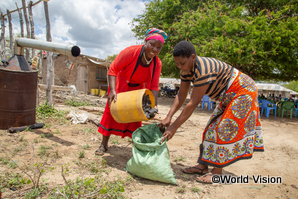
(67, 141)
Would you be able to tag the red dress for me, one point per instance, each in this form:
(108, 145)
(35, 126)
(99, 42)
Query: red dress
(122, 67)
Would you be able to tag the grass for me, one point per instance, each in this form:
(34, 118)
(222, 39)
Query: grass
(49, 135)
(4, 160)
(93, 167)
(18, 149)
(115, 141)
(86, 146)
(21, 138)
(195, 189)
(104, 162)
(43, 150)
(82, 154)
(76, 103)
(96, 187)
(56, 132)
(46, 135)
(46, 111)
(179, 159)
(10, 180)
(56, 154)
(37, 140)
(88, 130)
(97, 184)
(35, 193)
(12, 164)
(181, 189)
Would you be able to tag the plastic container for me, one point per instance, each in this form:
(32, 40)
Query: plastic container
(92, 91)
(102, 93)
(129, 107)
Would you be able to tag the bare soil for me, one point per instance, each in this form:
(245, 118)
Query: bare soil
(67, 140)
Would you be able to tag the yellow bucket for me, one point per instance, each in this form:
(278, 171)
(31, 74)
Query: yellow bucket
(128, 107)
(102, 92)
(93, 92)
(96, 91)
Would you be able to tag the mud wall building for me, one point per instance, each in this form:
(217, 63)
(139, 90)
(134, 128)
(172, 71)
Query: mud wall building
(84, 72)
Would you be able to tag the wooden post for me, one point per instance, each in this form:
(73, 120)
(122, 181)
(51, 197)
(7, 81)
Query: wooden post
(31, 24)
(39, 67)
(27, 26)
(21, 20)
(49, 58)
(10, 33)
(2, 38)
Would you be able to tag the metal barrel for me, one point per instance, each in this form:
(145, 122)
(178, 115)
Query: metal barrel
(49, 46)
(17, 98)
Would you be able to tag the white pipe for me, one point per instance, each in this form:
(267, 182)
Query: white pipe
(46, 46)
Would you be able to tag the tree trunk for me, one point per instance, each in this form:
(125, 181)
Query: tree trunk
(2, 39)
(49, 58)
(21, 20)
(10, 33)
(31, 24)
(27, 26)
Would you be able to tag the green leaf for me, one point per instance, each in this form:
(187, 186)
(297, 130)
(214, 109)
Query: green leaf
(103, 191)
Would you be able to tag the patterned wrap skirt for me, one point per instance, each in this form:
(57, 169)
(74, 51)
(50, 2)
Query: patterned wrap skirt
(234, 130)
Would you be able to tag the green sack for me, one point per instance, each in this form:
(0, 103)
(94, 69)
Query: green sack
(150, 159)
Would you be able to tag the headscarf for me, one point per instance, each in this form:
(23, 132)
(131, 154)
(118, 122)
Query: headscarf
(154, 33)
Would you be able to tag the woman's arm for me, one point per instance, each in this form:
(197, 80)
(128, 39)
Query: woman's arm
(179, 99)
(196, 96)
(178, 102)
(155, 94)
(124, 58)
(154, 85)
(112, 86)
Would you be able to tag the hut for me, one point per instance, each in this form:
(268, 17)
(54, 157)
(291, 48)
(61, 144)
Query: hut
(84, 72)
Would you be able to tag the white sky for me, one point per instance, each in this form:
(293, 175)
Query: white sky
(99, 27)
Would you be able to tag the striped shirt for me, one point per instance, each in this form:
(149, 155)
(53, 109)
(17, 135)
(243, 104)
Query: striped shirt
(209, 71)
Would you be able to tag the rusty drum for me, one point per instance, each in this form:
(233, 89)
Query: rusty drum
(17, 98)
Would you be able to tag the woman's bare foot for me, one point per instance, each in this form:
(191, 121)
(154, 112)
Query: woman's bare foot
(198, 169)
(207, 178)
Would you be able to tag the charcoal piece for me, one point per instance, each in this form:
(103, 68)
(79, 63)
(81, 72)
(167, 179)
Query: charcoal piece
(147, 109)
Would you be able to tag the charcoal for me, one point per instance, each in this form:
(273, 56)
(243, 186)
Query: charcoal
(147, 109)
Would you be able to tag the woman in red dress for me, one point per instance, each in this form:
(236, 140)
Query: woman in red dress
(136, 67)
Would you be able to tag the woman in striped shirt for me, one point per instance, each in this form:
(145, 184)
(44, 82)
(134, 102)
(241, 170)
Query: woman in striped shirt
(234, 130)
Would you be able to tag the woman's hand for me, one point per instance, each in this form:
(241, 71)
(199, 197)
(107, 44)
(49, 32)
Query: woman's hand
(164, 123)
(112, 96)
(168, 134)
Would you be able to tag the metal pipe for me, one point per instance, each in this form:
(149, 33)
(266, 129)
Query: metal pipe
(46, 46)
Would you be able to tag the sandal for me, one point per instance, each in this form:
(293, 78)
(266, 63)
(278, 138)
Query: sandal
(101, 150)
(188, 170)
(205, 182)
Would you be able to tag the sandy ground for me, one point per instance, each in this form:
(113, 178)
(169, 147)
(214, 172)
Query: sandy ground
(278, 160)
